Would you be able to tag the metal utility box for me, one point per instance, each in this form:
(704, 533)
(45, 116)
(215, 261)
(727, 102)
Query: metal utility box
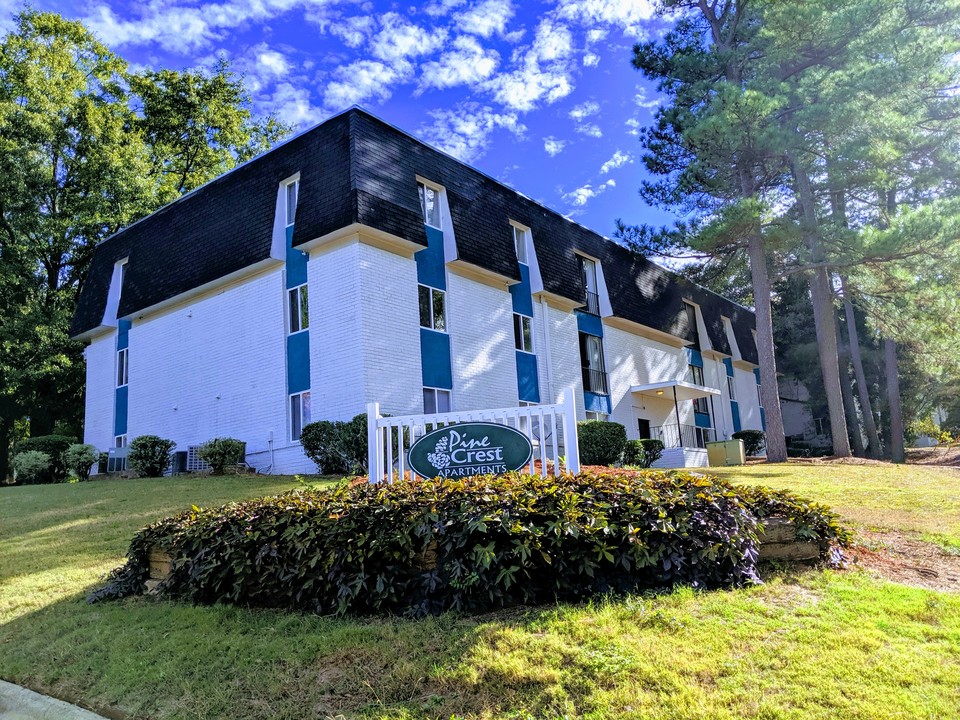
(726, 452)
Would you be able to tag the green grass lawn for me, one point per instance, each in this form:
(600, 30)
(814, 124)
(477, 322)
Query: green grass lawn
(808, 644)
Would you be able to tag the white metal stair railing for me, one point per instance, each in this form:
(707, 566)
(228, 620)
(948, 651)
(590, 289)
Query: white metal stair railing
(389, 438)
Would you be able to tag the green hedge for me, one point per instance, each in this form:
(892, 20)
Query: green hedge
(337, 447)
(753, 441)
(642, 453)
(600, 442)
(220, 452)
(54, 446)
(480, 543)
(150, 455)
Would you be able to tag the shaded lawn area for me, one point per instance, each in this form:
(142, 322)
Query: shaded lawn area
(806, 645)
(877, 496)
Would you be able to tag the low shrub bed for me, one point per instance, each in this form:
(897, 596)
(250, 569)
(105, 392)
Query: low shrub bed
(486, 542)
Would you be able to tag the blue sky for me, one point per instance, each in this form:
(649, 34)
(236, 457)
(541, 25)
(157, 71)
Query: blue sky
(540, 95)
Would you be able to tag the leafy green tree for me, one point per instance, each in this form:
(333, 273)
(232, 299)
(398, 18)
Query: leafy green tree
(87, 147)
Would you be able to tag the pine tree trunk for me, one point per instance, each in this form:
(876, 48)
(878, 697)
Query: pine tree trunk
(863, 391)
(853, 421)
(766, 354)
(893, 395)
(821, 295)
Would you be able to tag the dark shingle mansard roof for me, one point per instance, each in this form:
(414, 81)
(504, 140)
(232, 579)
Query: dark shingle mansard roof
(356, 168)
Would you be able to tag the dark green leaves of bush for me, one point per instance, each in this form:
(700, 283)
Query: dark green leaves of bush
(337, 447)
(220, 452)
(642, 453)
(601, 442)
(150, 455)
(753, 441)
(484, 542)
(54, 447)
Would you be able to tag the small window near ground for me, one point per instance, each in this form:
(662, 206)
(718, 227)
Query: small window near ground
(120, 441)
(299, 414)
(520, 244)
(123, 367)
(436, 400)
(433, 313)
(596, 415)
(299, 308)
(292, 191)
(430, 205)
(522, 333)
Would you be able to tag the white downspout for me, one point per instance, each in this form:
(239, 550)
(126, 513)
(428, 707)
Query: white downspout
(544, 309)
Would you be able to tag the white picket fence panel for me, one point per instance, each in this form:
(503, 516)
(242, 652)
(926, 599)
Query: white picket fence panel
(389, 438)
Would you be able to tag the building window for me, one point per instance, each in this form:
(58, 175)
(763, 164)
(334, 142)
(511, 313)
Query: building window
(292, 191)
(430, 205)
(299, 309)
(299, 414)
(522, 332)
(436, 400)
(588, 271)
(696, 372)
(732, 387)
(526, 403)
(596, 415)
(520, 244)
(120, 441)
(123, 367)
(591, 360)
(432, 308)
(694, 332)
(820, 425)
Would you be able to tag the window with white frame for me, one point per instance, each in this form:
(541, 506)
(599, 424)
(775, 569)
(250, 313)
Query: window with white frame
(430, 204)
(433, 313)
(732, 387)
(291, 191)
(436, 400)
(120, 441)
(520, 244)
(298, 308)
(299, 414)
(596, 415)
(123, 367)
(522, 332)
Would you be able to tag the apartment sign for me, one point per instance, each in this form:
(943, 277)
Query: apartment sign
(467, 449)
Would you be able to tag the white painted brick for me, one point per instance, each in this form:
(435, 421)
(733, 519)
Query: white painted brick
(101, 358)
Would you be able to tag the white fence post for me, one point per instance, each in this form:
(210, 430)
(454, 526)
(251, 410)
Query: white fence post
(375, 474)
(570, 439)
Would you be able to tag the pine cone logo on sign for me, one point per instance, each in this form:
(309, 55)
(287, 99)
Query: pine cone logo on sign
(440, 458)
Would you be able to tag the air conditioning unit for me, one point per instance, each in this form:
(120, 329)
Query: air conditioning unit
(194, 462)
(117, 459)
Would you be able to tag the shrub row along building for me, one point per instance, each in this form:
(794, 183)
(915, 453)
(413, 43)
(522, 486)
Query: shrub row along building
(354, 263)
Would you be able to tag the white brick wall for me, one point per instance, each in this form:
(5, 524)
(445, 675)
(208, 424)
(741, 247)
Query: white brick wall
(481, 344)
(564, 355)
(217, 367)
(101, 357)
(748, 401)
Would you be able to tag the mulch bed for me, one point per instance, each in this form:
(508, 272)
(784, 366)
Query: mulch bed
(904, 559)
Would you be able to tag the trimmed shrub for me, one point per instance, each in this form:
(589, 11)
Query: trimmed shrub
(337, 447)
(54, 446)
(472, 544)
(220, 452)
(79, 458)
(150, 455)
(601, 442)
(642, 453)
(31, 467)
(753, 441)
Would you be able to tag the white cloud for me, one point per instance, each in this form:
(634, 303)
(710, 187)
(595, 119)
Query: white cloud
(582, 195)
(465, 131)
(619, 159)
(629, 15)
(590, 130)
(354, 31)
(292, 105)
(399, 40)
(364, 80)
(642, 100)
(634, 126)
(272, 62)
(584, 110)
(591, 60)
(553, 41)
(443, 7)
(466, 64)
(486, 18)
(553, 146)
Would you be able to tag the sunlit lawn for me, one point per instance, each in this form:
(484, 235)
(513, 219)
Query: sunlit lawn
(807, 645)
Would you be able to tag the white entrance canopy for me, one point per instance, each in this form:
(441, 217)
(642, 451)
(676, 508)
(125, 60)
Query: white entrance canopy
(668, 389)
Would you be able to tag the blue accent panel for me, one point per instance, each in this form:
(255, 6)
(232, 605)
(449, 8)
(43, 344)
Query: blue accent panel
(430, 266)
(735, 411)
(702, 420)
(756, 374)
(435, 359)
(528, 379)
(298, 362)
(520, 293)
(596, 403)
(123, 337)
(120, 411)
(763, 420)
(296, 263)
(589, 324)
(694, 357)
(728, 363)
